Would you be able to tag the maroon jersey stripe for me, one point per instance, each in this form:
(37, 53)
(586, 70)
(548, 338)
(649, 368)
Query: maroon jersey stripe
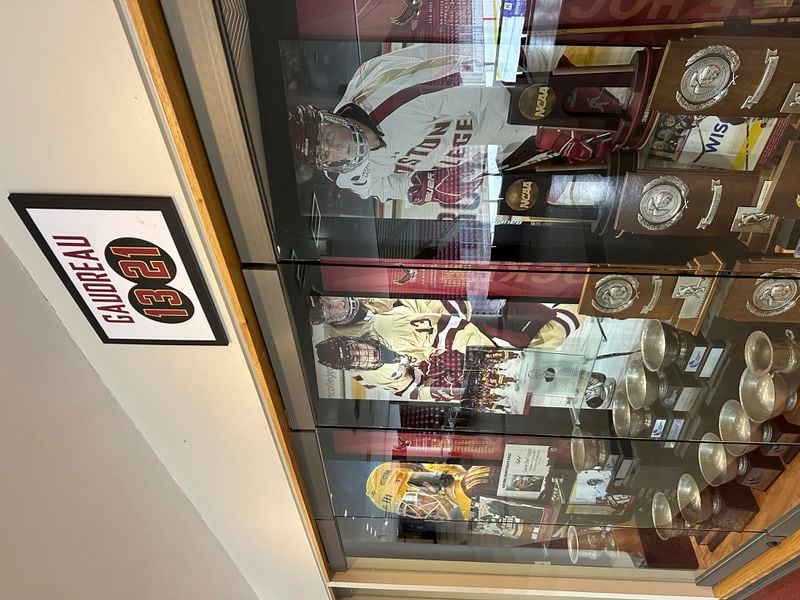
(401, 97)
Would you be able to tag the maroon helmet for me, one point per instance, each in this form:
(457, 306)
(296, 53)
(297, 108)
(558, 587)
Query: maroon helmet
(346, 352)
(312, 131)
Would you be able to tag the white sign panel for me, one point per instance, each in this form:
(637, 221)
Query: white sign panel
(128, 264)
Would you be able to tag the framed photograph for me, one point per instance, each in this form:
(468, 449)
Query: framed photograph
(691, 142)
(481, 355)
(128, 264)
(590, 495)
(524, 471)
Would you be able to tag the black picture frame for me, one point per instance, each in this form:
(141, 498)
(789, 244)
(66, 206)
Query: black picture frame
(22, 203)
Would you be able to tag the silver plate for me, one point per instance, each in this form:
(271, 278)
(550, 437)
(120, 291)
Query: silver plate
(615, 293)
(663, 202)
(775, 295)
(708, 75)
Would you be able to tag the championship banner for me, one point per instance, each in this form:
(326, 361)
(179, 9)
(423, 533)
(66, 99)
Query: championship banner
(408, 445)
(654, 22)
(510, 280)
(128, 264)
(473, 21)
(628, 13)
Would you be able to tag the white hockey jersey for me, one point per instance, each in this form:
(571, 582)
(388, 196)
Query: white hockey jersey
(427, 116)
(422, 329)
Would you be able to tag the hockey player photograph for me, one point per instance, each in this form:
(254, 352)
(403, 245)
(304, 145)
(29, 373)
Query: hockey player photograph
(415, 349)
(425, 125)
(448, 492)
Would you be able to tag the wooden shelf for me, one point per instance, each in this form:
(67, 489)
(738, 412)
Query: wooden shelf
(781, 497)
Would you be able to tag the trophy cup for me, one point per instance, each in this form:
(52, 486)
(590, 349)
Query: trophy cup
(667, 523)
(714, 511)
(735, 426)
(644, 387)
(763, 356)
(697, 505)
(591, 544)
(718, 466)
(662, 344)
(765, 397)
(588, 453)
(629, 421)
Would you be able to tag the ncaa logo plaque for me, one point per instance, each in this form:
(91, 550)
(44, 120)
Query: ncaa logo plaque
(128, 264)
(537, 101)
(522, 195)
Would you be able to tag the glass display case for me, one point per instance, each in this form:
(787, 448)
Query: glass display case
(520, 499)
(539, 261)
(523, 143)
(615, 419)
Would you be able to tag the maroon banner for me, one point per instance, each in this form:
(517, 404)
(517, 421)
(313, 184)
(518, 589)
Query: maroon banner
(387, 20)
(506, 280)
(452, 20)
(624, 13)
(414, 446)
(404, 445)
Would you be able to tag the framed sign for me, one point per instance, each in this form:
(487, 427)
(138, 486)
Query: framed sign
(128, 264)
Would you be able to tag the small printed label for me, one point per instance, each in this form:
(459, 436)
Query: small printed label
(687, 399)
(611, 462)
(711, 362)
(695, 358)
(624, 469)
(762, 197)
(658, 428)
(674, 433)
(675, 428)
(776, 450)
(754, 478)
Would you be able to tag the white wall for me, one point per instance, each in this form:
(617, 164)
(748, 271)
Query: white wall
(87, 511)
(75, 117)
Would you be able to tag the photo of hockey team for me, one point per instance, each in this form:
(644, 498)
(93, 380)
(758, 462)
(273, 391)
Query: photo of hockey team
(705, 141)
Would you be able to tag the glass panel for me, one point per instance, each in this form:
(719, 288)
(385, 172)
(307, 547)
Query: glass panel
(568, 349)
(522, 499)
(443, 154)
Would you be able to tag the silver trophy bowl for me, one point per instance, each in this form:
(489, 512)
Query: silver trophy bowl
(661, 345)
(590, 544)
(736, 426)
(587, 453)
(716, 465)
(763, 356)
(643, 387)
(667, 523)
(697, 505)
(764, 397)
(629, 421)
